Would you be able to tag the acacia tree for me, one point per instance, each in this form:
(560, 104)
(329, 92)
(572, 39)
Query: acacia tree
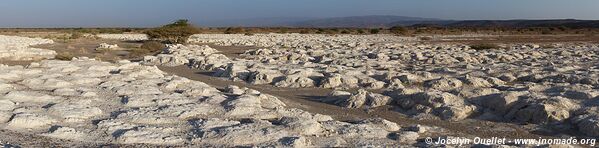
(176, 32)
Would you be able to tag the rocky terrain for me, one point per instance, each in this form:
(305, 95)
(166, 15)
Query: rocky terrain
(17, 49)
(552, 87)
(86, 102)
(127, 37)
(89, 101)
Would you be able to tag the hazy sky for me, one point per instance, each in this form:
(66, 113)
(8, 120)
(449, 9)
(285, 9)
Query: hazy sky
(144, 13)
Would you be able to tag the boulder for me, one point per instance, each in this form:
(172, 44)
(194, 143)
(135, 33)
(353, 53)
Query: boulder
(29, 121)
(444, 84)
(376, 100)
(331, 81)
(555, 109)
(395, 84)
(234, 72)
(410, 79)
(382, 123)
(456, 113)
(263, 76)
(7, 105)
(355, 100)
(337, 95)
(296, 142)
(437, 99)
(296, 80)
(234, 90)
(165, 60)
(472, 93)
(302, 126)
(151, 135)
(30, 96)
(501, 102)
(106, 46)
(507, 77)
(476, 81)
(5, 116)
(67, 133)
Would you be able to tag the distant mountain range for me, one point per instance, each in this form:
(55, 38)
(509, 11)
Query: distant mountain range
(385, 21)
(363, 21)
(570, 23)
(370, 21)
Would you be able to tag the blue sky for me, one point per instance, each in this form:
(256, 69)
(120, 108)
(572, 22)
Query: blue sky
(147, 13)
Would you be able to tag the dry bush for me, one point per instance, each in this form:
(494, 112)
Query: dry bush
(76, 35)
(153, 46)
(177, 32)
(399, 30)
(234, 30)
(426, 38)
(65, 56)
(148, 48)
(304, 31)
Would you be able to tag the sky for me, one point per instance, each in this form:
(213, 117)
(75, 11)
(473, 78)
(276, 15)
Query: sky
(150, 13)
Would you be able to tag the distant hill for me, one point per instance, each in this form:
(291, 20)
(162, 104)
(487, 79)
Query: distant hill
(370, 21)
(569, 23)
(386, 21)
(255, 22)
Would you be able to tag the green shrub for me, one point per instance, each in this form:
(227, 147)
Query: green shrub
(320, 31)
(375, 31)
(177, 32)
(484, 46)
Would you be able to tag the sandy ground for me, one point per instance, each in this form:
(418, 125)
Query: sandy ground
(86, 47)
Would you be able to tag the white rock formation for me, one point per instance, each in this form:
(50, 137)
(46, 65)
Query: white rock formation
(519, 83)
(15, 48)
(106, 46)
(128, 103)
(126, 37)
